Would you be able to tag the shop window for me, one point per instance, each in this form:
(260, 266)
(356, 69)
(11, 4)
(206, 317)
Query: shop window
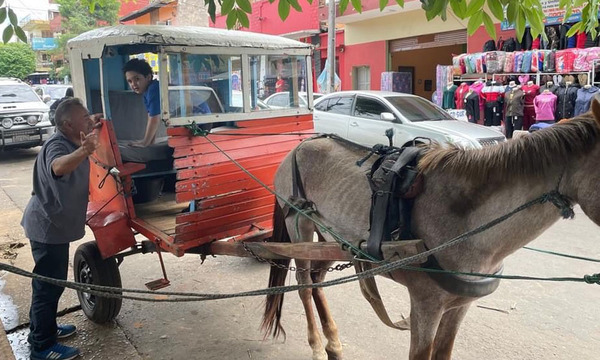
(361, 76)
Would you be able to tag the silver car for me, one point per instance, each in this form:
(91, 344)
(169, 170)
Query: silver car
(365, 116)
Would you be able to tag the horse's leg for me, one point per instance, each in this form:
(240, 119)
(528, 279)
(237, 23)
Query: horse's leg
(302, 230)
(446, 333)
(334, 346)
(425, 316)
(314, 338)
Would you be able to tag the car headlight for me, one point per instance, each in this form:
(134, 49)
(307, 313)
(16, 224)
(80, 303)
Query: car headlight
(32, 120)
(7, 123)
(459, 141)
(45, 117)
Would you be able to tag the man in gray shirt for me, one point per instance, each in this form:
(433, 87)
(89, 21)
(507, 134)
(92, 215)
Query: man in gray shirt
(54, 217)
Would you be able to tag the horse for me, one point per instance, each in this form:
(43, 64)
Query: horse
(462, 189)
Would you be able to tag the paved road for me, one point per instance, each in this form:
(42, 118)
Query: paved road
(521, 320)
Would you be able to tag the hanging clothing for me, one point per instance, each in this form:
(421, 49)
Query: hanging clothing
(536, 44)
(477, 86)
(493, 97)
(530, 92)
(514, 101)
(448, 97)
(553, 38)
(471, 106)
(566, 101)
(563, 40)
(459, 95)
(584, 99)
(581, 39)
(553, 88)
(545, 105)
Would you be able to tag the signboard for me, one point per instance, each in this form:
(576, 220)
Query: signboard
(553, 15)
(43, 44)
(458, 114)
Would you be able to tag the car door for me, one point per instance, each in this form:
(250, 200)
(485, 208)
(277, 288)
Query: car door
(366, 126)
(278, 101)
(332, 115)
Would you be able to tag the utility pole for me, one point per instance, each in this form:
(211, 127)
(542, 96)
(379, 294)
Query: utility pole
(331, 47)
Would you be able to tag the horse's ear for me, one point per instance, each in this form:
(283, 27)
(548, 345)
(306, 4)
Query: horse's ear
(596, 109)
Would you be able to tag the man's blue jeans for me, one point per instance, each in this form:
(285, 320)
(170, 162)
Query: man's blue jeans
(50, 261)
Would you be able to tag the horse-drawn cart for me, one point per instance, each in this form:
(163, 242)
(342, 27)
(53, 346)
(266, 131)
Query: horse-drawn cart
(183, 193)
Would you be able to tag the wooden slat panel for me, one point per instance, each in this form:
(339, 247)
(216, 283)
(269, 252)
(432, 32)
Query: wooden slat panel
(187, 140)
(225, 210)
(262, 172)
(221, 221)
(197, 160)
(246, 186)
(273, 121)
(240, 233)
(234, 144)
(241, 196)
(224, 168)
(223, 230)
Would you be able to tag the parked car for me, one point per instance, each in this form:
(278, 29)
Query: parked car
(23, 116)
(364, 117)
(281, 100)
(51, 93)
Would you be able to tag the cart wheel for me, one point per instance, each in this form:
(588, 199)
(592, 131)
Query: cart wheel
(90, 268)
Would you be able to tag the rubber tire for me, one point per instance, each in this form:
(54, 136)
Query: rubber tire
(103, 272)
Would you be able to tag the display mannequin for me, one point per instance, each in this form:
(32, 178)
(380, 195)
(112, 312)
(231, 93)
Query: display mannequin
(459, 95)
(493, 97)
(471, 105)
(530, 91)
(448, 96)
(513, 109)
(545, 106)
(584, 98)
(567, 95)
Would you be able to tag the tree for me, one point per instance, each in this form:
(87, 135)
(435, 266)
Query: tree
(77, 18)
(16, 60)
(517, 12)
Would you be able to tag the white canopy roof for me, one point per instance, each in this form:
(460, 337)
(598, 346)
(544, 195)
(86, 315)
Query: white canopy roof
(180, 36)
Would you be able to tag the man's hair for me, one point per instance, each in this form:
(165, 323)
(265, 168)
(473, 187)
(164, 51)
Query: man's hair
(63, 111)
(139, 66)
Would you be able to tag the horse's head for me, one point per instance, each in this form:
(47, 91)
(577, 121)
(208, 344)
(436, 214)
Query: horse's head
(584, 182)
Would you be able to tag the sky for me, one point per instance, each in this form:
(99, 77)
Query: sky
(25, 7)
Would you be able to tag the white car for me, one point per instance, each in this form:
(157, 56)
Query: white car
(23, 116)
(281, 100)
(364, 117)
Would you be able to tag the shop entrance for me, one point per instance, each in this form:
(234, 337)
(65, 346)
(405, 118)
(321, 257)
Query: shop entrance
(422, 54)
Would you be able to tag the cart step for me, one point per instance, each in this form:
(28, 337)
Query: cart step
(158, 284)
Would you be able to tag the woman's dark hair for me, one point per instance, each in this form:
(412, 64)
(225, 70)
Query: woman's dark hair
(139, 66)
(69, 92)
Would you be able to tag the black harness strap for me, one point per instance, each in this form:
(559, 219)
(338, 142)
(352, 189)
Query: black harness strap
(387, 213)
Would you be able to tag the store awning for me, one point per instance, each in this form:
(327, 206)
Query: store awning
(145, 10)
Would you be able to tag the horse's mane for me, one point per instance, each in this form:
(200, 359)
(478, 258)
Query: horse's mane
(526, 156)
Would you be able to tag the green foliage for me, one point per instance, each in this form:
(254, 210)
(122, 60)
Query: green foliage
(16, 60)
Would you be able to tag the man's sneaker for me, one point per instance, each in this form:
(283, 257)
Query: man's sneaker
(64, 331)
(55, 352)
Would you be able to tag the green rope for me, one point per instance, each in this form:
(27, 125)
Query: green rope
(561, 254)
(345, 243)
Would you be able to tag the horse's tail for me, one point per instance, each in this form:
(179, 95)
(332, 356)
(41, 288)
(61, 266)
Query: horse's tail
(271, 322)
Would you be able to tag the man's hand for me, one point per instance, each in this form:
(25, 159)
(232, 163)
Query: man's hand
(96, 119)
(89, 142)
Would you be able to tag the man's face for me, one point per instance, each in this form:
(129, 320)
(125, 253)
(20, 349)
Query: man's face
(138, 82)
(81, 121)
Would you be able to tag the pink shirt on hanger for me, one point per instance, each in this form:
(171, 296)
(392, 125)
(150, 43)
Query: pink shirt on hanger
(545, 104)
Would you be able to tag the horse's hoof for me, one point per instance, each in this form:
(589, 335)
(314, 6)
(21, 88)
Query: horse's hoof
(333, 355)
(320, 356)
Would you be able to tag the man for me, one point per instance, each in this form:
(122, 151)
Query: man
(55, 216)
(138, 74)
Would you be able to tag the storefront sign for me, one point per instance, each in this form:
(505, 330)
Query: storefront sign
(458, 114)
(553, 15)
(43, 43)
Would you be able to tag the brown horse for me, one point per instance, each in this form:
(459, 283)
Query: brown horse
(463, 189)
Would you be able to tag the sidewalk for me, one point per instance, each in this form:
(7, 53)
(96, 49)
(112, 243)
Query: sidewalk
(95, 341)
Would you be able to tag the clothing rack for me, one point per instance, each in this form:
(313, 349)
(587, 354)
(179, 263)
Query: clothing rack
(538, 75)
(471, 77)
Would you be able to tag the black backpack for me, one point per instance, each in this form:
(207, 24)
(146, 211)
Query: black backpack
(489, 45)
(510, 45)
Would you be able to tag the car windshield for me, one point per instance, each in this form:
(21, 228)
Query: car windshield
(417, 109)
(56, 92)
(17, 94)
